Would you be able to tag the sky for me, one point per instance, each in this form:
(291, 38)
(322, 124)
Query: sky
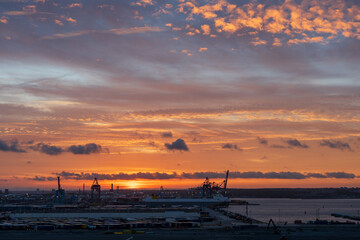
(150, 93)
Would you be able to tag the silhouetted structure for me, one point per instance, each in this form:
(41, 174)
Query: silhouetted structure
(209, 188)
(95, 191)
(59, 194)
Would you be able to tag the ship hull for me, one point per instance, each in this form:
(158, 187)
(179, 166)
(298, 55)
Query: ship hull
(185, 202)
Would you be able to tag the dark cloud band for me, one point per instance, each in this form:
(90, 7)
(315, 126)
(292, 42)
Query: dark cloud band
(198, 175)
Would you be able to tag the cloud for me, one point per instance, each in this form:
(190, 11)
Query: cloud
(336, 144)
(340, 175)
(37, 178)
(4, 20)
(230, 146)
(316, 175)
(115, 31)
(262, 140)
(73, 5)
(277, 146)
(295, 20)
(58, 22)
(143, 3)
(47, 149)
(206, 29)
(202, 49)
(200, 175)
(296, 143)
(167, 135)
(306, 40)
(118, 176)
(27, 10)
(13, 146)
(75, 149)
(257, 41)
(179, 144)
(85, 149)
(41, 178)
(68, 19)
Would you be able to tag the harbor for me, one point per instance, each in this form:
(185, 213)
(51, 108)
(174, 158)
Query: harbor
(200, 212)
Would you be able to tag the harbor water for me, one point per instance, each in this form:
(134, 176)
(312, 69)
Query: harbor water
(289, 210)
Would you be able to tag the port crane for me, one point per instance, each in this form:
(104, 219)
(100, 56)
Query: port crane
(95, 191)
(209, 188)
(59, 194)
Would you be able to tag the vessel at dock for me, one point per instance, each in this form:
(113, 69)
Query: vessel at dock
(210, 195)
(216, 200)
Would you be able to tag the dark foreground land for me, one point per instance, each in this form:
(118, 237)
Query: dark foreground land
(259, 233)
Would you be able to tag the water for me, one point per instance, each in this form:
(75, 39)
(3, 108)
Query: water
(288, 210)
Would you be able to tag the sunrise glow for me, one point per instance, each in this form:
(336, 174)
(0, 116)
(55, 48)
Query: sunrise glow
(164, 93)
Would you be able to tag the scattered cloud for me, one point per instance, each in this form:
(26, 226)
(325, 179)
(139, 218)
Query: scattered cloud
(262, 140)
(202, 49)
(26, 10)
(85, 149)
(68, 19)
(206, 29)
(41, 178)
(296, 143)
(167, 135)
(143, 3)
(47, 149)
(257, 41)
(73, 5)
(294, 19)
(277, 146)
(58, 22)
(4, 20)
(340, 175)
(306, 40)
(336, 144)
(12, 146)
(75, 149)
(230, 146)
(179, 144)
(277, 42)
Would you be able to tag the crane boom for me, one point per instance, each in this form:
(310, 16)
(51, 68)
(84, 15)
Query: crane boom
(226, 179)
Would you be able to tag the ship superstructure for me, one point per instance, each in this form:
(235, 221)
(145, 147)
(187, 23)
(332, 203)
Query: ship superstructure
(210, 194)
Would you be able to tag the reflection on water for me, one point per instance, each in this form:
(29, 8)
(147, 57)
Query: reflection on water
(288, 210)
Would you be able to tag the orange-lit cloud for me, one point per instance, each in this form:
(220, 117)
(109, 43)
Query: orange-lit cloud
(143, 3)
(73, 5)
(289, 18)
(206, 29)
(257, 41)
(27, 10)
(202, 49)
(4, 20)
(58, 22)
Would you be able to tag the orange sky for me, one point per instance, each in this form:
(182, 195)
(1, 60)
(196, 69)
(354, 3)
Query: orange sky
(269, 91)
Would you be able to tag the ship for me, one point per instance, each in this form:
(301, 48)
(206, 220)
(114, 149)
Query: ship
(210, 195)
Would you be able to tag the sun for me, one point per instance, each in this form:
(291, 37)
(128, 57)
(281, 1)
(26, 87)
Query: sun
(132, 184)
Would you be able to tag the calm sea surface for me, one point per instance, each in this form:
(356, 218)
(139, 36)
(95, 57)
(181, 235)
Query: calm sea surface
(288, 210)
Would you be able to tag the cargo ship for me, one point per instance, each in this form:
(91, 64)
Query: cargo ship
(211, 195)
